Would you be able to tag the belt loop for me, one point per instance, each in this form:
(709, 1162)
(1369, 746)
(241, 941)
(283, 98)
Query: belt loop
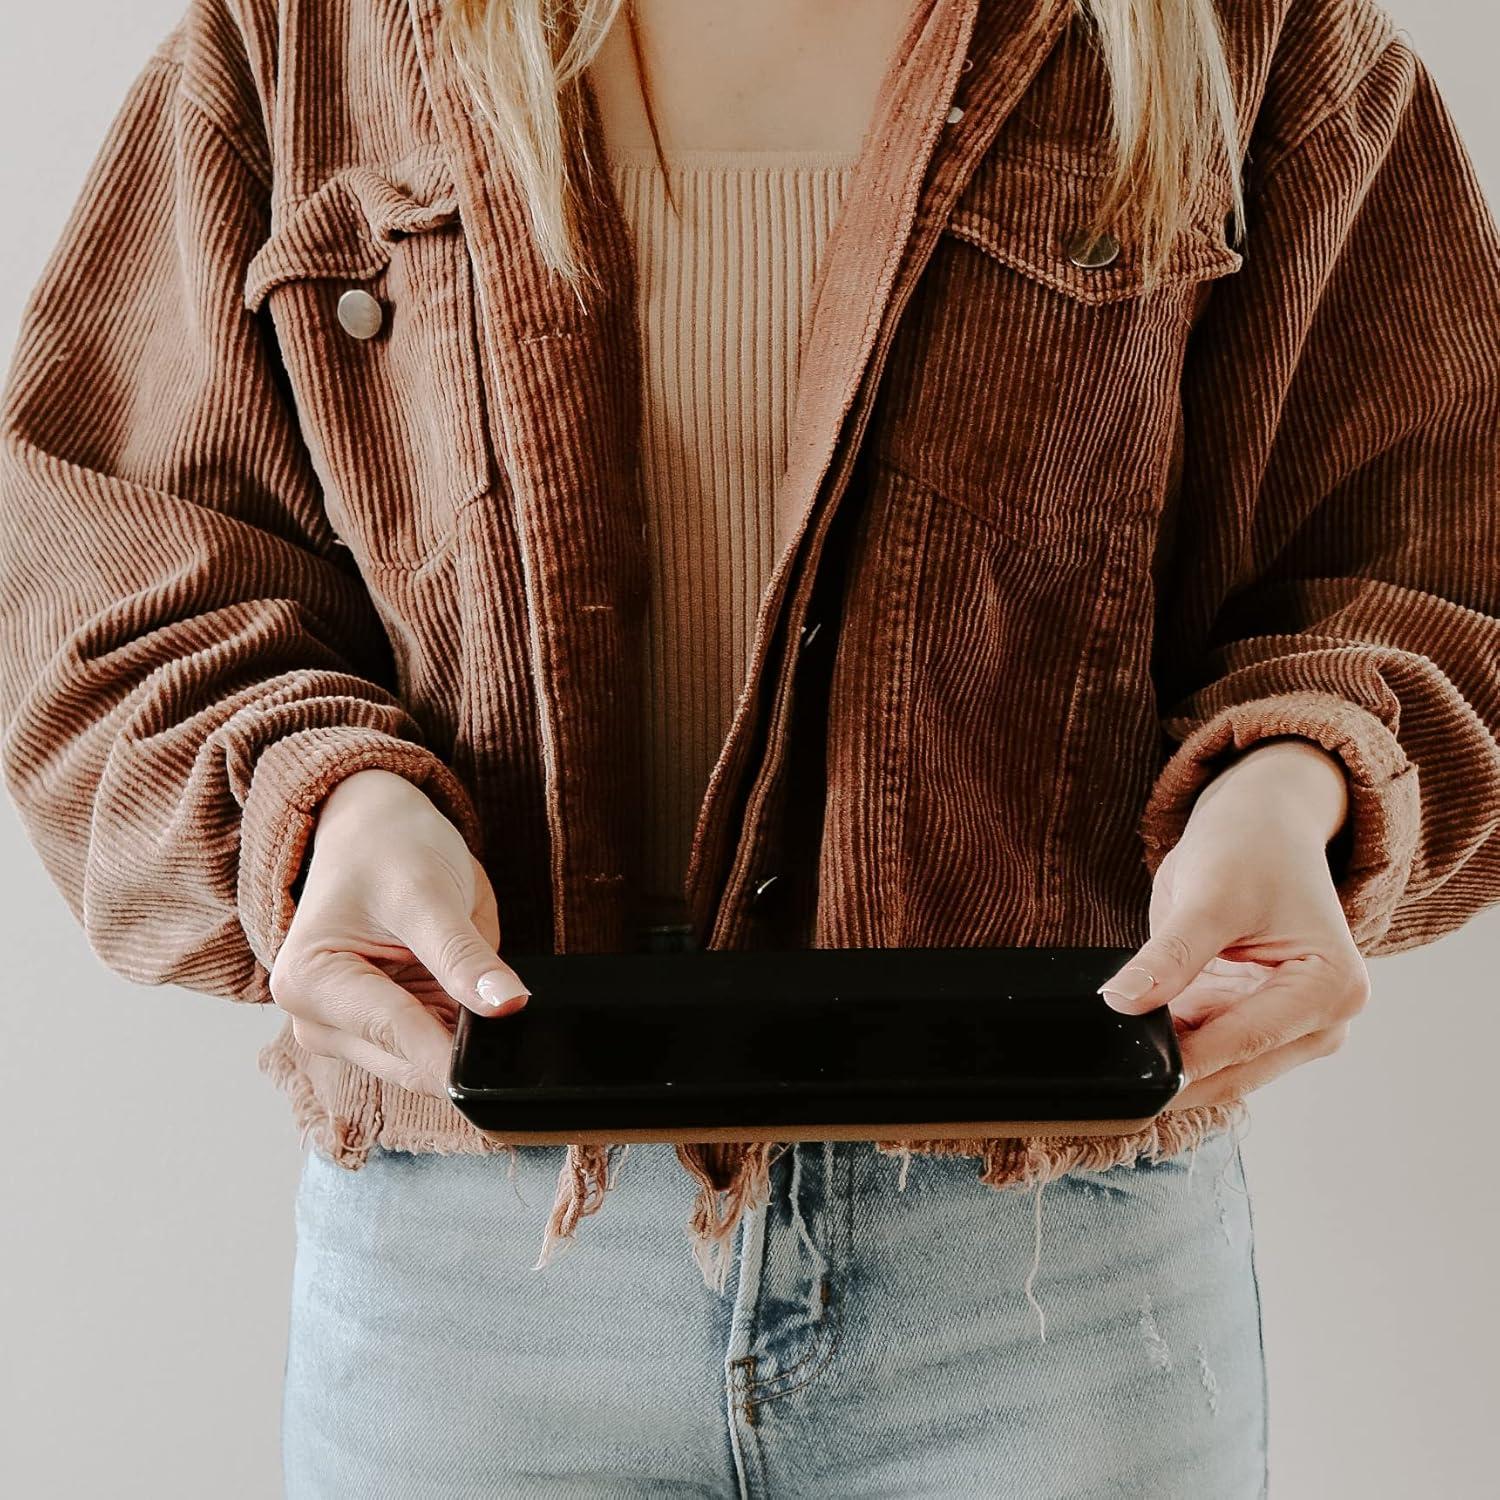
(800, 1224)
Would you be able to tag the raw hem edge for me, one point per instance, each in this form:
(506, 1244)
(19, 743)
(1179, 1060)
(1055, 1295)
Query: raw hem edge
(1023, 1162)
(728, 1189)
(347, 1137)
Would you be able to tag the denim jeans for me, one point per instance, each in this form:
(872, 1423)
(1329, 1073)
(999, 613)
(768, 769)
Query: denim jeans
(882, 1332)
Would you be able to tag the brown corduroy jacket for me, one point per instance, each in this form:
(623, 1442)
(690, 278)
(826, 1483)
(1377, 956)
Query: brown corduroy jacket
(1052, 545)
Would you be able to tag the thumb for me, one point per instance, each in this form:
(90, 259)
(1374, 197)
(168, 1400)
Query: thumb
(1168, 962)
(459, 956)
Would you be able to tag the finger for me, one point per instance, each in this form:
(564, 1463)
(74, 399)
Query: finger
(380, 1025)
(1219, 985)
(459, 956)
(1233, 1083)
(1302, 996)
(424, 1074)
(367, 1003)
(1164, 966)
(1283, 1009)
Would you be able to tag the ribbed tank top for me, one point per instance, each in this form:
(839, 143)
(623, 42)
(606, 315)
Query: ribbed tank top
(723, 287)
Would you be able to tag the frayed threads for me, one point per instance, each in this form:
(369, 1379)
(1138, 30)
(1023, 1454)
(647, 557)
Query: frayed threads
(1036, 1262)
(902, 1152)
(343, 1140)
(1022, 1161)
(742, 1183)
(581, 1187)
(732, 1180)
(1033, 1161)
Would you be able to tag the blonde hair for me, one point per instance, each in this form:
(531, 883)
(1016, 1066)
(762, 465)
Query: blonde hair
(1172, 105)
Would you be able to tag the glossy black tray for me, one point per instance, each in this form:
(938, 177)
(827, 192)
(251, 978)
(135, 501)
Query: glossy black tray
(819, 1043)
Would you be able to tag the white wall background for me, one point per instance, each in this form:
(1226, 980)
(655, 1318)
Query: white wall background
(149, 1169)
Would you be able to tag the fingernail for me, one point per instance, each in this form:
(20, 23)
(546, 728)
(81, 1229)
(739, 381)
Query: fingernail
(1128, 985)
(499, 989)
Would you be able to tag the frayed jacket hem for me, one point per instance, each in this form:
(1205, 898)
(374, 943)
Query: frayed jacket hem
(343, 1112)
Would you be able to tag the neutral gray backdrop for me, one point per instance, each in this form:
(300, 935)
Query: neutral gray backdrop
(149, 1169)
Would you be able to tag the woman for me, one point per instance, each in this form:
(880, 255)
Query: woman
(538, 473)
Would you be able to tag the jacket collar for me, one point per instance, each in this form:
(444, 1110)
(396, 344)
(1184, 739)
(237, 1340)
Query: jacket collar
(913, 165)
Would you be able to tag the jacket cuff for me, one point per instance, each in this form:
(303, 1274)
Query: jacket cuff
(292, 777)
(1384, 821)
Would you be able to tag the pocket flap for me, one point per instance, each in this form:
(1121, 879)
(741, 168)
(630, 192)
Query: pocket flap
(1023, 212)
(345, 228)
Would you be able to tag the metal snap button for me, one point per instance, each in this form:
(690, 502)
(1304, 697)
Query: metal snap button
(1091, 255)
(360, 315)
(955, 115)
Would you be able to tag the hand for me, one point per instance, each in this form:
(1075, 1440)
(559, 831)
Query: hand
(395, 928)
(1249, 945)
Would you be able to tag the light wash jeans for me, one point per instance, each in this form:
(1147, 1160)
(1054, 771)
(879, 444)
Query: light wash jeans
(1100, 1338)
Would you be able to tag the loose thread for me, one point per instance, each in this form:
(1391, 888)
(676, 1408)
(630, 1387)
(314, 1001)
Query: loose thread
(619, 1165)
(1229, 1160)
(1037, 1260)
(512, 1176)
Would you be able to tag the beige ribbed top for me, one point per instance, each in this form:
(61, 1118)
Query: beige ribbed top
(723, 287)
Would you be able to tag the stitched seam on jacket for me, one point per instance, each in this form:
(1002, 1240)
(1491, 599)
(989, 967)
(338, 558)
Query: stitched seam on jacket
(1285, 149)
(902, 706)
(169, 62)
(1074, 716)
(229, 137)
(928, 485)
(445, 544)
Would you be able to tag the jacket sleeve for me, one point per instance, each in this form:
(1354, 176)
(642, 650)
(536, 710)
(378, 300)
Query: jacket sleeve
(1335, 569)
(186, 666)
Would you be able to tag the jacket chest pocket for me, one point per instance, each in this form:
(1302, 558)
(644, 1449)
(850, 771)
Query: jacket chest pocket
(1036, 382)
(371, 289)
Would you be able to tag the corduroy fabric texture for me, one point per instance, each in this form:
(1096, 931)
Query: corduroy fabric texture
(1067, 542)
(726, 245)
